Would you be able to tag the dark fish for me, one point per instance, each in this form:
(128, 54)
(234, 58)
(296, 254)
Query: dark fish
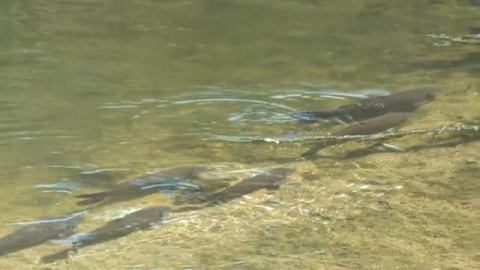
(376, 125)
(39, 232)
(142, 219)
(368, 127)
(269, 179)
(145, 185)
(474, 30)
(405, 101)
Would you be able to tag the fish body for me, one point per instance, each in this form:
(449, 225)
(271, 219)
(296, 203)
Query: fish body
(39, 232)
(375, 125)
(139, 220)
(268, 179)
(404, 101)
(368, 127)
(473, 30)
(145, 185)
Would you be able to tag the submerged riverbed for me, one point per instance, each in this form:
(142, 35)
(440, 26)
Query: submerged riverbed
(95, 93)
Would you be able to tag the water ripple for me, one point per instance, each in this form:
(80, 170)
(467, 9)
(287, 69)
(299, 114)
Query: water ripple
(209, 100)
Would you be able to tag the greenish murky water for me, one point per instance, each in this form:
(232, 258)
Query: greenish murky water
(94, 93)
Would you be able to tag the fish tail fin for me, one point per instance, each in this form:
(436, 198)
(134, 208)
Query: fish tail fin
(312, 115)
(91, 198)
(313, 152)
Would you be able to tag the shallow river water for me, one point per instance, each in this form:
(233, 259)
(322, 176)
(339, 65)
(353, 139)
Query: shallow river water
(97, 92)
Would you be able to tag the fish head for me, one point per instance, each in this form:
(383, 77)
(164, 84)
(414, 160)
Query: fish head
(157, 212)
(279, 176)
(140, 219)
(78, 238)
(426, 94)
(67, 227)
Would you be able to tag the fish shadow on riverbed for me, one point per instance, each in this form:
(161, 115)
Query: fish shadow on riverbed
(437, 143)
(380, 145)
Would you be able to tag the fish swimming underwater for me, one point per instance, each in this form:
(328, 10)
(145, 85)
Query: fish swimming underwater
(270, 179)
(142, 219)
(376, 125)
(474, 30)
(368, 127)
(404, 101)
(145, 185)
(39, 232)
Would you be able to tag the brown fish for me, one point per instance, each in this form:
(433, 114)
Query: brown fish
(405, 101)
(474, 30)
(376, 125)
(142, 219)
(368, 127)
(145, 185)
(269, 179)
(39, 232)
